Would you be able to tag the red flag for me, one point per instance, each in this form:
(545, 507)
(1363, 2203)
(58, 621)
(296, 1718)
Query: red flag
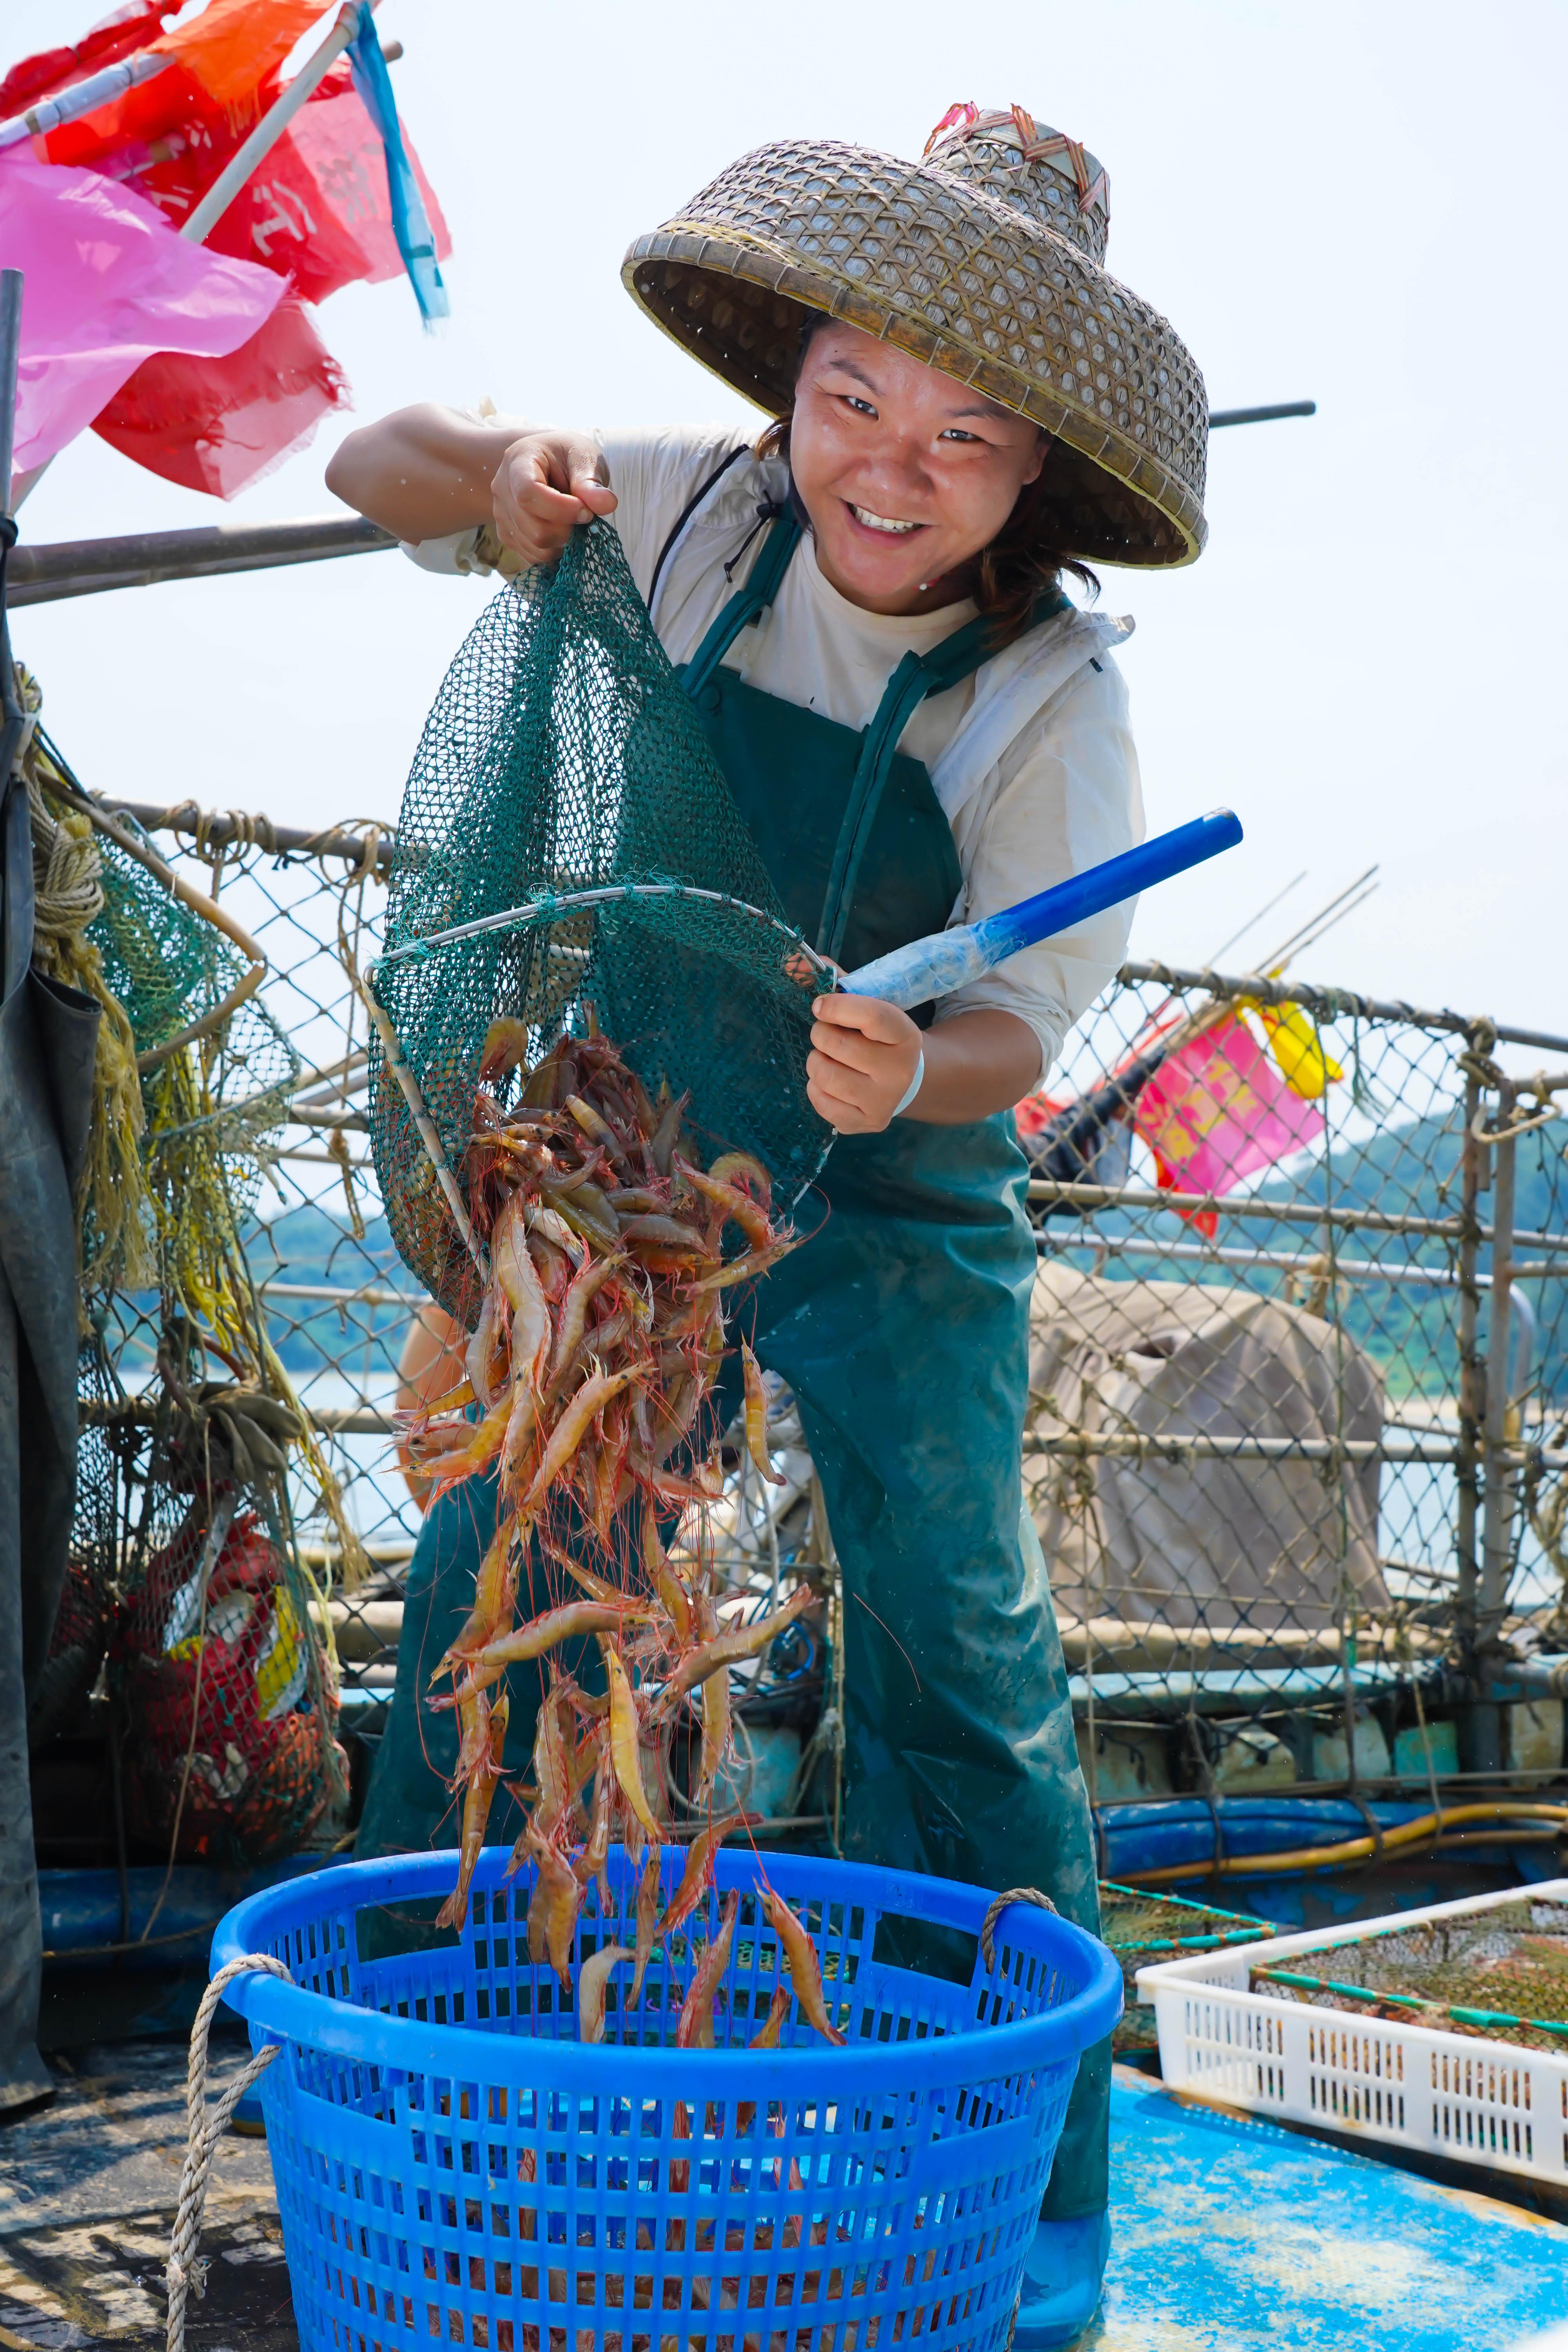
(219, 425)
(316, 206)
(234, 45)
(119, 35)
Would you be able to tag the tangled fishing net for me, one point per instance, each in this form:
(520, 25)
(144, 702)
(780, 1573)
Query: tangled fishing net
(563, 756)
(183, 1567)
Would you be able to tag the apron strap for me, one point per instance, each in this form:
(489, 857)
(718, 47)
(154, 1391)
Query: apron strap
(918, 675)
(747, 605)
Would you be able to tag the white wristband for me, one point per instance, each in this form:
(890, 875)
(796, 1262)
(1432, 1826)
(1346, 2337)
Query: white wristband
(912, 1090)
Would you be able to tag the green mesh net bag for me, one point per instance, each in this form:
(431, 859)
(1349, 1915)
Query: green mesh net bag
(569, 855)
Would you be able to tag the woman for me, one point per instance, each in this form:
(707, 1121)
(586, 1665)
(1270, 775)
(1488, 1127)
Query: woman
(867, 610)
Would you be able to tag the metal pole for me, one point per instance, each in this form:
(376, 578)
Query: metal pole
(89, 567)
(1472, 1384)
(10, 356)
(1497, 1533)
(271, 127)
(1222, 417)
(67, 105)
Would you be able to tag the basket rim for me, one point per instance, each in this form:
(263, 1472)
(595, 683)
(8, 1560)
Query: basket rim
(289, 2012)
(1183, 1976)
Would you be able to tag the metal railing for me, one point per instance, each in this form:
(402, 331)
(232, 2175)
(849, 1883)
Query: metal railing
(1290, 1494)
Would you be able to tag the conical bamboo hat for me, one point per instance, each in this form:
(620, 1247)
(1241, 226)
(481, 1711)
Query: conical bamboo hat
(986, 259)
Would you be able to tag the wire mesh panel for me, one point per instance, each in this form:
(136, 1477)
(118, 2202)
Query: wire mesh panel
(1297, 1337)
(1295, 1471)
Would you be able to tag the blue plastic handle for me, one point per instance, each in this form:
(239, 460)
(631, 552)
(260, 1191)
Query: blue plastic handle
(935, 966)
(1067, 904)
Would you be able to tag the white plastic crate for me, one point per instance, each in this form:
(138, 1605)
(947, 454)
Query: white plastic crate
(1454, 2094)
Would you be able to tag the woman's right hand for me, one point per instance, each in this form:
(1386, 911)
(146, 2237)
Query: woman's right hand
(547, 485)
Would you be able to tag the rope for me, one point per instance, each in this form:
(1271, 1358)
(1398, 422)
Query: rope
(998, 1905)
(186, 2272)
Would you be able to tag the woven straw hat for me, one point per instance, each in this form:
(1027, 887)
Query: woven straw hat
(986, 259)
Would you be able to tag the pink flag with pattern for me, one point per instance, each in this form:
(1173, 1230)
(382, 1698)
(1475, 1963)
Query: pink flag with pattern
(1217, 1109)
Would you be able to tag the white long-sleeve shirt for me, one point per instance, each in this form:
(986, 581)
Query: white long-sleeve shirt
(1032, 759)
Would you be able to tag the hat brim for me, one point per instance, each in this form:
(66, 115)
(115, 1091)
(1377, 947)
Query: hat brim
(935, 266)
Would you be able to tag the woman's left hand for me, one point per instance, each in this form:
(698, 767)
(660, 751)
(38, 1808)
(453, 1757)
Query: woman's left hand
(864, 1053)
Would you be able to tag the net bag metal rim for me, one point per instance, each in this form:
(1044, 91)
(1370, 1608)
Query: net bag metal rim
(552, 902)
(291, 2013)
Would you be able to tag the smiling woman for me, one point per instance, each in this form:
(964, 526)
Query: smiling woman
(866, 608)
(958, 468)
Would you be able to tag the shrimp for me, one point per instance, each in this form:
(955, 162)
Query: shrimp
(540, 1635)
(661, 1143)
(552, 1775)
(559, 1897)
(695, 2030)
(738, 1208)
(662, 1230)
(647, 1920)
(731, 1167)
(698, 1870)
(597, 1130)
(741, 1269)
(625, 1752)
(726, 1649)
(473, 1736)
(454, 1912)
(550, 1225)
(594, 1586)
(573, 1316)
(505, 1049)
(767, 2035)
(662, 1577)
(570, 1431)
(517, 1448)
(592, 1983)
(590, 1863)
(518, 1279)
(757, 1418)
(495, 1596)
(715, 1728)
(800, 1960)
(488, 1356)
(450, 1451)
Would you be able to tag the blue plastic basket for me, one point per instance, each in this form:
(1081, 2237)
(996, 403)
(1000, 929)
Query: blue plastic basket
(452, 2166)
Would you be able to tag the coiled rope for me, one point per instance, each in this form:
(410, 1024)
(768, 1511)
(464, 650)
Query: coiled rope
(186, 2271)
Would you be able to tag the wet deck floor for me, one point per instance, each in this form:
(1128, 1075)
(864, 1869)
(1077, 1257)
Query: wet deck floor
(1230, 2236)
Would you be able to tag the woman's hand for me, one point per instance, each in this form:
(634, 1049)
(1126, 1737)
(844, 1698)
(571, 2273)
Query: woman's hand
(864, 1054)
(548, 484)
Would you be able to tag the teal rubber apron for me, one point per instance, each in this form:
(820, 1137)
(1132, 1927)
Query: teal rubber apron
(902, 1328)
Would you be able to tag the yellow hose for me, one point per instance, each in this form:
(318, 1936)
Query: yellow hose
(1361, 1849)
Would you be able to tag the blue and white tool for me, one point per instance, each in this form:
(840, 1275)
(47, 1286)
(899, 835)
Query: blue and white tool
(947, 960)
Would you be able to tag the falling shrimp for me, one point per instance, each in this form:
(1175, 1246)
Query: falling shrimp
(800, 1960)
(454, 1912)
(695, 2030)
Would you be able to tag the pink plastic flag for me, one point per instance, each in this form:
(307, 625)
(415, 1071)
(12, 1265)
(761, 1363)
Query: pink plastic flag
(108, 282)
(1217, 1109)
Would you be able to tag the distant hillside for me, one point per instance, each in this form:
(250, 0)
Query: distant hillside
(1411, 1170)
(1415, 1171)
(307, 1245)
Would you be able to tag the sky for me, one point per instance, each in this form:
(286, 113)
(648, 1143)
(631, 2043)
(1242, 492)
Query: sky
(1358, 205)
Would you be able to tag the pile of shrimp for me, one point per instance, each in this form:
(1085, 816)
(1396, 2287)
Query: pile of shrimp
(598, 1341)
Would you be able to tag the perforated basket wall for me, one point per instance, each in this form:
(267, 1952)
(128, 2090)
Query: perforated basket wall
(1446, 2092)
(452, 2166)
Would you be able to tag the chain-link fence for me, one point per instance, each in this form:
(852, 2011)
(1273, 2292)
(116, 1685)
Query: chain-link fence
(1297, 1366)
(1297, 1380)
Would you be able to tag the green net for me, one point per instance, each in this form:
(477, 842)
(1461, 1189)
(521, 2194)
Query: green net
(563, 757)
